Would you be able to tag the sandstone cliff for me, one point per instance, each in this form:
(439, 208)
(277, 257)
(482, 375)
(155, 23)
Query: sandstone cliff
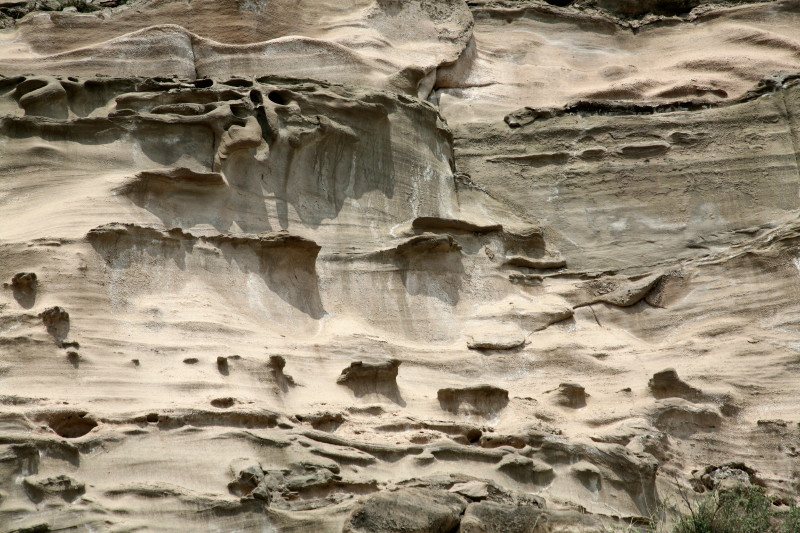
(382, 265)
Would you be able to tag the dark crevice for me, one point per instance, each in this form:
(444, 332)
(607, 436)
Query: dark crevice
(17, 10)
(626, 14)
(194, 58)
(255, 97)
(71, 425)
(279, 97)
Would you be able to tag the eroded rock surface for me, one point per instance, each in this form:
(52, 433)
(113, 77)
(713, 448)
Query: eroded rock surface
(372, 379)
(413, 510)
(570, 395)
(326, 266)
(478, 400)
(488, 517)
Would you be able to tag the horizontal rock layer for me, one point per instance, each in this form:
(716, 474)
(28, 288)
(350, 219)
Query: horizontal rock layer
(431, 266)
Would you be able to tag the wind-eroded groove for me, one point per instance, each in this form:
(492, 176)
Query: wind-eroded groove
(194, 59)
(786, 231)
(581, 14)
(793, 134)
(527, 115)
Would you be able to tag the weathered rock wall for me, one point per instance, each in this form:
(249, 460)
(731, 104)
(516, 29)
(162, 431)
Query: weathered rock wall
(380, 266)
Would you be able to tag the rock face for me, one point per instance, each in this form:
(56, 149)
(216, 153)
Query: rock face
(488, 517)
(353, 266)
(412, 510)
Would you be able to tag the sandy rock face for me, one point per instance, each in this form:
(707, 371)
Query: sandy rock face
(487, 266)
(414, 510)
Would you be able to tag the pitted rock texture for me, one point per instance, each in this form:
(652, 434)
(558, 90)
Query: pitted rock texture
(381, 265)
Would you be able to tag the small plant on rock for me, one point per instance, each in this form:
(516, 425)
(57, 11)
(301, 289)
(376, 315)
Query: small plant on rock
(791, 522)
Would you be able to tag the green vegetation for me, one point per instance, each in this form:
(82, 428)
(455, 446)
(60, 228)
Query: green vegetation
(791, 522)
(744, 509)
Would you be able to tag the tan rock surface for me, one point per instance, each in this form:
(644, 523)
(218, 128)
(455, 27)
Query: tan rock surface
(324, 266)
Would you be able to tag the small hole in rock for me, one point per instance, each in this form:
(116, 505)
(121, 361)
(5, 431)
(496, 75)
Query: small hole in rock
(279, 97)
(152, 418)
(223, 403)
(239, 82)
(71, 425)
(203, 84)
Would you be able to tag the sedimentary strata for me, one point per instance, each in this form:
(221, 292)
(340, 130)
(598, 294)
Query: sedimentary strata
(515, 266)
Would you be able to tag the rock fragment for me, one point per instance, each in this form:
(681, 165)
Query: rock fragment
(412, 510)
(250, 484)
(491, 517)
(65, 487)
(24, 281)
(667, 384)
(283, 381)
(725, 477)
(493, 338)
(56, 320)
(570, 395)
(372, 379)
(483, 400)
